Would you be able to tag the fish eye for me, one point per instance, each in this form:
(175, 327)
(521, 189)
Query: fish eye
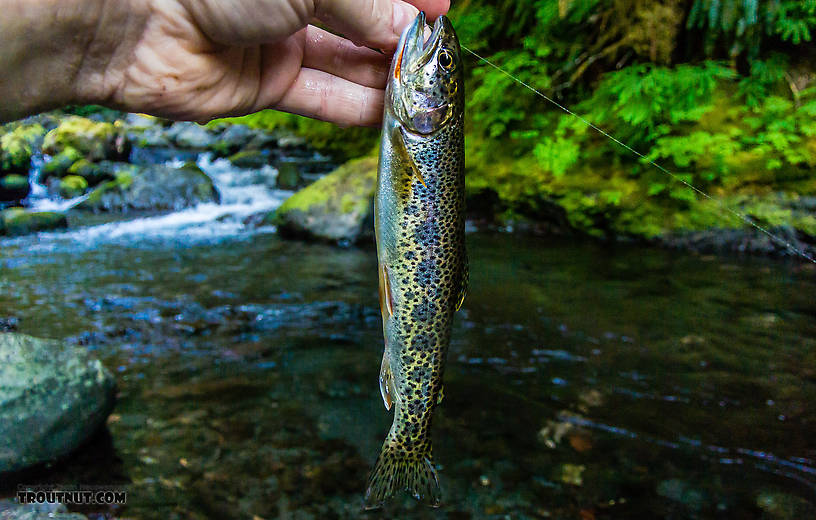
(445, 59)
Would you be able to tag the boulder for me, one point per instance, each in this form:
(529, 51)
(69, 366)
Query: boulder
(250, 159)
(289, 176)
(190, 135)
(93, 173)
(232, 139)
(53, 397)
(94, 140)
(14, 187)
(336, 208)
(154, 187)
(17, 146)
(72, 186)
(60, 163)
(18, 221)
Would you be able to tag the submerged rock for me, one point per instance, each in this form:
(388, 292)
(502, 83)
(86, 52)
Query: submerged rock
(11, 510)
(94, 140)
(18, 221)
(154, 187)
(52, 398)
(336, 208)
(18, 145)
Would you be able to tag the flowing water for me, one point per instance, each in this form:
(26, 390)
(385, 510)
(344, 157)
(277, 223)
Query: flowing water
(584, 381)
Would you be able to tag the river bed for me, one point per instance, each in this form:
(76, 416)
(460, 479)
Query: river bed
(584, 381)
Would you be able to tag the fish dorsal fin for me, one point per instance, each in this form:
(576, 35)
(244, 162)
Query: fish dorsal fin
(387, 382)
(402, 151)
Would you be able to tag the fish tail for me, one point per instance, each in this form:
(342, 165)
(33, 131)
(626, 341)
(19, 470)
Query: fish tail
(396, 471)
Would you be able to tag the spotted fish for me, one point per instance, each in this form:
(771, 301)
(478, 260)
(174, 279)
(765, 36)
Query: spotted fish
(420, 231)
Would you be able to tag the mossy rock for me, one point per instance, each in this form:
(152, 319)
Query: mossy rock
(18, 221)
(155, 187)
(93, 173)
(59, 164)
(335, 208)
(249, 159)
(72, 186)
(94, 140)
(18, 145)
(14, 187)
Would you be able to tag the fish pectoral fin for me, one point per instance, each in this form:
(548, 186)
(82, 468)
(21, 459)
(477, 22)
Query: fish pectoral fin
(441, 394)
(405, 157)
(387, 382)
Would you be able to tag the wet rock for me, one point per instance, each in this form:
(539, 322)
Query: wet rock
(18, 221)
(290, 142)
(72, 186)
(232, 139)
(14, 187)
(11, 510)
(9, 324)
(336, 208)
(92, 173)
(17, 146)
(190, 135)
(784, 506)
(155, 187)
(59, 164)
(94, 140)
(249, 159)
(52, 398)
(288, 175)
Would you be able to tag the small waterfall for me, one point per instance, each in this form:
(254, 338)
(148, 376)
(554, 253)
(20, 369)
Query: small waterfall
(38, 199)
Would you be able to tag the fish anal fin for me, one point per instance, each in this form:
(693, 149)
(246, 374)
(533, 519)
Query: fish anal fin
(386, 382)
(402, 150)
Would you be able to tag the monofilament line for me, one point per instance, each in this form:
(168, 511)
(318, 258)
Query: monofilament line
(719, 203)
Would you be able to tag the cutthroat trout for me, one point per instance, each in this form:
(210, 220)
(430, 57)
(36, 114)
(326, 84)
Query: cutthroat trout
(420, 231)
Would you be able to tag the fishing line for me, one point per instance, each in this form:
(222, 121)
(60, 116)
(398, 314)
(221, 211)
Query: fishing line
(718, 202)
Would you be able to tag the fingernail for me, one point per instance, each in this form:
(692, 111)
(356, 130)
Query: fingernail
(404, 14)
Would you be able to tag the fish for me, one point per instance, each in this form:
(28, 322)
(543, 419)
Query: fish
(419, 210)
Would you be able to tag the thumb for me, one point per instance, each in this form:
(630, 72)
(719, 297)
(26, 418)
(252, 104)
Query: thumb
(375, 23)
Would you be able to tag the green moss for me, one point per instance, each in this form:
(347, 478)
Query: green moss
(72, 186)
(17, 221)
(348, 181)
(123, 180)
(61, 163)
(92, 139)
(17, 146)
(14, 182)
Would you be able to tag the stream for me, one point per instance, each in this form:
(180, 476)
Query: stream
(584, 380)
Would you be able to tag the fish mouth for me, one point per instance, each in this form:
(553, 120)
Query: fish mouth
(413, 48)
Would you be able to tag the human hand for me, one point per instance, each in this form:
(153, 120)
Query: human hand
(201, 59)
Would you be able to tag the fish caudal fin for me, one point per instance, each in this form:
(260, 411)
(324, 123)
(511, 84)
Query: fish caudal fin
(394, 472)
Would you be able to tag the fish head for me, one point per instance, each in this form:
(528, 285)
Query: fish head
(425, 88)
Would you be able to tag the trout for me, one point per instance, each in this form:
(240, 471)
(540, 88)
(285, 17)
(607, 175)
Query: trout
(420, 232)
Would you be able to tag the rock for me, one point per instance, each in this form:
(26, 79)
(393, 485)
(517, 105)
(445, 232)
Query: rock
(288, 175)
(93, 173)
(289, 142)
(141, 122)
(684, 493)
(59, 164)
(72, 186)
(11, 510)
(232, 139)
(154, 187)
(94, 140)
(17, 146)
(250, 159)
(9, 324)
(18, 221)
(190, 135)
(53, 397)
(336, 208)
(784, 506)
(14, 187)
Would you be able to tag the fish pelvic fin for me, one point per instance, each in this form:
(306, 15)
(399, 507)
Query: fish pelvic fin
(387, 382)
(396, 471)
